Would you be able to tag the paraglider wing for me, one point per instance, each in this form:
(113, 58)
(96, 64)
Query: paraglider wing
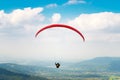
(60, 25)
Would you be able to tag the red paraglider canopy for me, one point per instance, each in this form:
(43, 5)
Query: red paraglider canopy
(60, 25)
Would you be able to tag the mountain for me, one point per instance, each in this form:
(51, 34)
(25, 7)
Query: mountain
(100, 64)
(99, 68)
(8, 75)
(115, 66)
(24, 69)
(6, 72)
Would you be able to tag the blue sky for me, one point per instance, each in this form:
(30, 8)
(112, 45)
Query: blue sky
(98, 20)
(87, 7)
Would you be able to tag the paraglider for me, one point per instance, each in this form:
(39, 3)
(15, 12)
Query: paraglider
(57, 65)
(62, 26)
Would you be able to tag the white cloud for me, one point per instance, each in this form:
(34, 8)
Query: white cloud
(71, 2)
(56, 18)
(51, 5)
(58, 43)
(106, 25)
(20, 20)
(25, 15)
(97, 21)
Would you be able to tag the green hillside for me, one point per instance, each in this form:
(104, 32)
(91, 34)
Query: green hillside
(8, 75)
(100, 64)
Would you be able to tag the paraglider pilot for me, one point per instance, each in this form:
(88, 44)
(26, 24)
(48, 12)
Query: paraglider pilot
(57, 65)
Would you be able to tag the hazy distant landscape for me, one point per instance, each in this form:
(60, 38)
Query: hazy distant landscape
(100, 68)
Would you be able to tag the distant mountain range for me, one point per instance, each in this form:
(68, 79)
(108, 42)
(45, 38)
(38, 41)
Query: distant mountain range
(100, 64)
(10, 71)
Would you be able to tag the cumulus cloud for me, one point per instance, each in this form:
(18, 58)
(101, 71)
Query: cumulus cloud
(71, 2)
(95, 27)
(24, 15)
(20, 20)
(51, 5)
(106, 25)
(97, 21)
(56, 18)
